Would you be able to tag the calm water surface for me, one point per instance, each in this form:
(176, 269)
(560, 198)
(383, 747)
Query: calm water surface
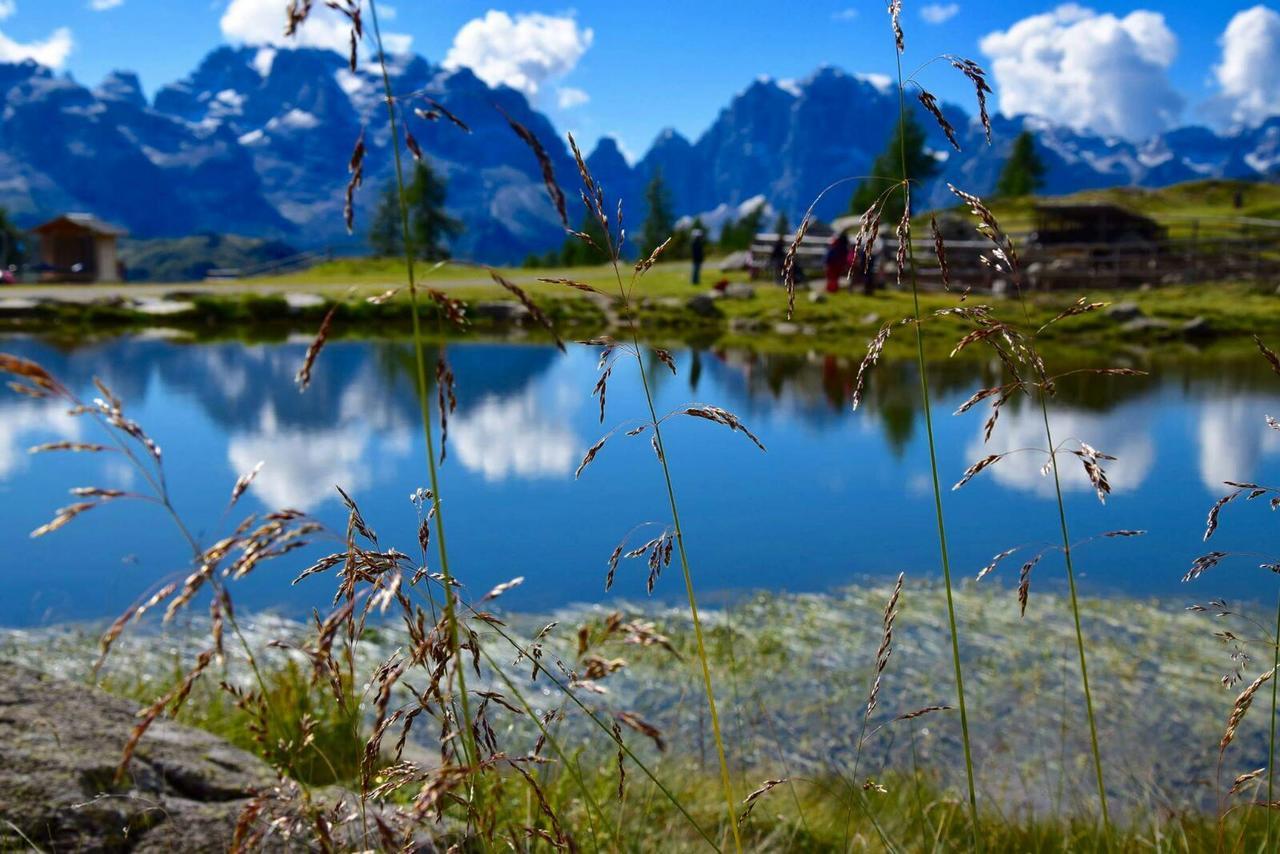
(839, 494)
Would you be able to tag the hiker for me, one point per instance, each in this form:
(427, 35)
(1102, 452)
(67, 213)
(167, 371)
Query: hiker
(837, 261)
(697, 251)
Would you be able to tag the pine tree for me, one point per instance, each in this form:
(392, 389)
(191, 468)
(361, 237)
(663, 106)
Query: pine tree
(782, 225)
(385, 234)
(1023, 172)
(739, 235)
(886, 171)
(12, 243)
(576, 252)
(660, 222)
(430, 226)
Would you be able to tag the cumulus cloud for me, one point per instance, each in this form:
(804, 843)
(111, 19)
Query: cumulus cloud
(522, 52)
(52, 51)
(261, 22)
(1117, 433)
(939, 13)
(104, 5)
(1088, 70)
(7, 8)
(25, 423)
(1233, 439)
(505, 437)
(568, 97)
(1249, 75)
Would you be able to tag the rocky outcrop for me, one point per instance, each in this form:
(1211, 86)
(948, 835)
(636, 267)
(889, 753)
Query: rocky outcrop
(61, 742)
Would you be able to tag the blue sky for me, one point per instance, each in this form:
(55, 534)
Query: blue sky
(630, 69)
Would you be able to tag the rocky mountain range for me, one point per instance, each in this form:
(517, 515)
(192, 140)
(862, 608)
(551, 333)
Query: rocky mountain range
(256, 142)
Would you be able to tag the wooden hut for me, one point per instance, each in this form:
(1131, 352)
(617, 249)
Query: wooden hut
(79, 247)
(1062, 222)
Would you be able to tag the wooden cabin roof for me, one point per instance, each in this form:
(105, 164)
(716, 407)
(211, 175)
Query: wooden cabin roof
(84, 221)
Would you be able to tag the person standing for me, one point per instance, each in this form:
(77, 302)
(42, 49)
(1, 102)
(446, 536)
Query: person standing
(697, 252)
(837, 261)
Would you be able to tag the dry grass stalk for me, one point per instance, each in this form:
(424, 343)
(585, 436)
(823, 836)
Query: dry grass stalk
(242, 483)
(940, 250)
(750, 800)
(722, 416)
(978, 77)
(356, 168)
(874, 348)
(537, 313)
(895, 17)
(303, 377)
(544, 163)
(930, 104)
(886, 645)
(1244, 779)
(1241, 708)
(446, 400)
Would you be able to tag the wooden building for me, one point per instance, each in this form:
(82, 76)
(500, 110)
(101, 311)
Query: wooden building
(1059, 222)
(79, 247)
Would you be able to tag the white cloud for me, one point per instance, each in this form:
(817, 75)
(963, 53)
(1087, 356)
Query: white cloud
(939, 13)
(1249, 74)
(844, 14)
(1233, 439)
(1117, 433)
(1089, 71)
(104, 5)
(7, 8)
(522, 52)
(568, 97)
(502, 437)
(25, 423)
(52, 51)
(261, 22)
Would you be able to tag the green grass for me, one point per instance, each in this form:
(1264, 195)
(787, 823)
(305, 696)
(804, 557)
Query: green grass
(1174, 206)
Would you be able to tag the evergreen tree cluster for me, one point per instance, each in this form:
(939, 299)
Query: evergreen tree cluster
(430, 228)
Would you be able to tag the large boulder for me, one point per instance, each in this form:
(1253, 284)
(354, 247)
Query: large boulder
(62, 741)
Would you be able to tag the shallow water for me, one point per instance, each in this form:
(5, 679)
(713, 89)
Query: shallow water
(838, 495)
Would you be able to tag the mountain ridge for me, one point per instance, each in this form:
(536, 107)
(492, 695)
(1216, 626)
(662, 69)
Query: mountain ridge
(256, 140)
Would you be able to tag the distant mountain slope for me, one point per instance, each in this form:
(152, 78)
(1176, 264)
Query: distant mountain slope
(256, 141)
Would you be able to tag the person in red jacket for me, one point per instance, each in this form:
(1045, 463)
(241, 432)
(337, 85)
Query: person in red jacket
(837, 261)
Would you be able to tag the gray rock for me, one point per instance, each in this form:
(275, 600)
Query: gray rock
(703, 305)
(1198, 327)
(62, 743)
(162, 308)
(739, 290)
(303, 300)
(1146, 326)
(500, 311)
(786, 328)
(18, 304)
(1123, 312)
(817, 296)
(746, 324)
(870, 319)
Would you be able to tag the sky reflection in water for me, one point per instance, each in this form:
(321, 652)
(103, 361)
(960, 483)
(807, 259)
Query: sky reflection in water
(838, 495)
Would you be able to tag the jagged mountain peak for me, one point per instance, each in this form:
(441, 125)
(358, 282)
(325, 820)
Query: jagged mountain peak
(123, 87)
(256, 141)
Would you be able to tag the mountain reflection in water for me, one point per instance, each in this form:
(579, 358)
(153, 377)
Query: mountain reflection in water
(839, 494)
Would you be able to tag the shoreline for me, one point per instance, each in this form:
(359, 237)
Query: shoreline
(1203, 317)
(802, 663)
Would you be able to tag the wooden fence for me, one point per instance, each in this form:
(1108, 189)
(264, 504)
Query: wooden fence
(1200, 249)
